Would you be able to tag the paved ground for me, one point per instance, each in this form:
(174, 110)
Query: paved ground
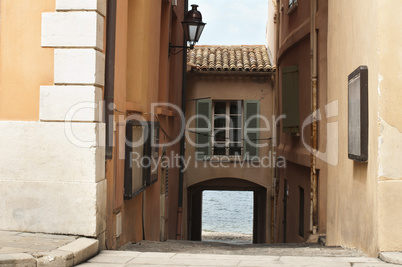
(20, 242)
(36, 249)
(185, 253)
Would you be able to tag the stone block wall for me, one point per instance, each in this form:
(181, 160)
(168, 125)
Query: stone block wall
(52, 171)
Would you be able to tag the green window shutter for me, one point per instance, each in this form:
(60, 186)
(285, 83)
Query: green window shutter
(290, 99)
(203, 129)
(251, 129)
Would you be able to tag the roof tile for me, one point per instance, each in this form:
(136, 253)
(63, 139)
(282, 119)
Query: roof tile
(229, 58)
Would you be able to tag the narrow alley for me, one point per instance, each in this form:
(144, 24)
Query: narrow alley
(150, 132)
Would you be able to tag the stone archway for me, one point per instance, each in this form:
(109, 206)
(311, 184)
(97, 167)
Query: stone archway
(194, 205)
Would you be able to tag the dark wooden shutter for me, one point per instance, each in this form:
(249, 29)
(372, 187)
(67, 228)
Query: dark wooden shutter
(290, 99)
(252, 132)
(203, 129)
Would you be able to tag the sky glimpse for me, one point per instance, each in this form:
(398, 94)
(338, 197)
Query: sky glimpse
(233, 22)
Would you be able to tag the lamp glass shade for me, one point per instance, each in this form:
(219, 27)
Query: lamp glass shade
(200, 28)
(192, 31)
(193, 25)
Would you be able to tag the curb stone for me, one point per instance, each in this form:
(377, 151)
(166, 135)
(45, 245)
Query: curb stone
(56, 258)
(68, 255)
(391, 257)
(82, 248)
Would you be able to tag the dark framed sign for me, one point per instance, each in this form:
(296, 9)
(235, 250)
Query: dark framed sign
(141, 156)
(358, 114)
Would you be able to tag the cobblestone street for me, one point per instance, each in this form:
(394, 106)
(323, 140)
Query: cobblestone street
(187, 253)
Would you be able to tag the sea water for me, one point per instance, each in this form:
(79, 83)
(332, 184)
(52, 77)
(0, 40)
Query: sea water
(227, 211)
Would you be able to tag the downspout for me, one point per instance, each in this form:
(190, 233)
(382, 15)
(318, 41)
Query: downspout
(314, 128)
(277, 129)
(109, 75)
(182, 140)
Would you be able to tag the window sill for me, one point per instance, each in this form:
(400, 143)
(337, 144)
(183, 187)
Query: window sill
(228, 159)
(292, 9)
(292, 130)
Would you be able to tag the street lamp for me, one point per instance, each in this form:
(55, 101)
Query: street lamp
(192, 26)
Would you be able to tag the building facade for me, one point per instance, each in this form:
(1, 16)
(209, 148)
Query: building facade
(146, 73)
(301, 61)
(52, 75)
(364, 205)
(72, 74)
(358, 197)
(229, 112)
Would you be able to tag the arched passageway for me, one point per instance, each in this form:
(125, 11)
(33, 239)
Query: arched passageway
(194, 205)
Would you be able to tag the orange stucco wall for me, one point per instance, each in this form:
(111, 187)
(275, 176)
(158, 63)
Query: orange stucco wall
(144, 74)
(24, 64)
(143, 51)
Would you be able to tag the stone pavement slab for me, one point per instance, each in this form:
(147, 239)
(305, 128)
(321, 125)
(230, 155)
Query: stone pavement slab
(392, 257)
(133, 258)
(38, 249)
(196, 247)
(114, 257)
(31, 242)
(17, 259)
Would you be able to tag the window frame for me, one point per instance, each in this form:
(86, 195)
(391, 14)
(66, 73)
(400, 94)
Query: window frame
(137, 178)
(227, 128)
(293, 4)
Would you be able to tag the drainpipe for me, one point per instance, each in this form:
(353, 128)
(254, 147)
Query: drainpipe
(314, 128)
(182, 140)
(276, 137)
(109, 75)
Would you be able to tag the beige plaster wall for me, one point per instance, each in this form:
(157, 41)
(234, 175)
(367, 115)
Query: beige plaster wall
(353, 40)
(364, 199)
(390, 140)
(270, 30)
(225, 89)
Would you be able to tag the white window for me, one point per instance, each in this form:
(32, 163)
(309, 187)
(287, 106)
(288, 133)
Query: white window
(220, 128)
(227, 128)
(292, 3)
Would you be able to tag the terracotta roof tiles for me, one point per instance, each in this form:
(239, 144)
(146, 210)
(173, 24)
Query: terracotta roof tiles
(229, 58)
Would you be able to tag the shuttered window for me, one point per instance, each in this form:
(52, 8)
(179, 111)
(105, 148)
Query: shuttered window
(203, 129)
(290, 99)
(227, 128)
(251, 128)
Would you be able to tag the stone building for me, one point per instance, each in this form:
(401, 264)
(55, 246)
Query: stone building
(340, 62)
(300, 191)
(229, 112)
(72, 73)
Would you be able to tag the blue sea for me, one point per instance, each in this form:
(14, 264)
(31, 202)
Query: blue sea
(227, 211)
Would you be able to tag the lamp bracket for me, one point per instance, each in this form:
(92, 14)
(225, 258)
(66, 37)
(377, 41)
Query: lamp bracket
(173, 47)
(180, 46)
